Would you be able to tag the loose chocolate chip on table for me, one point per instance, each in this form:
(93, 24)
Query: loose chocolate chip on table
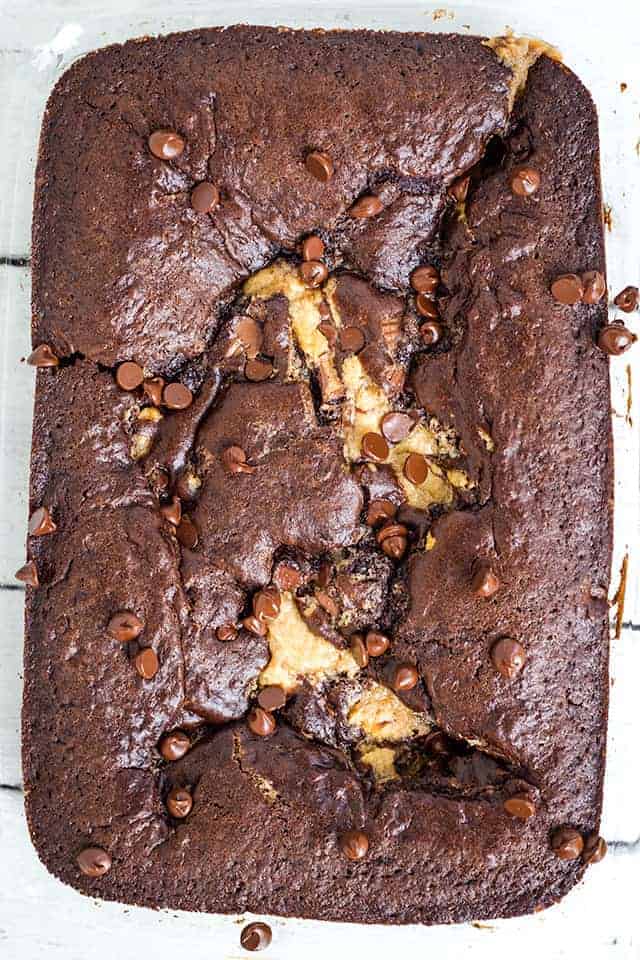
(255, 936)
(226, 632)
(405, 677)
(179, 802)
(205, 197)
(172, 512)
(174, 746)
(258, 370)
(595, 848)
(567, 289)
(593, 286)
(627, 299)
(614, 339)
(153, 389)
(484, 582)
(396, 426)
(379, 511)
(416, 468)
(524, 181)
(520, 806)
(431, 332)
(41, 523)
(234, 460)
(365, 207)
(313, 272)
(94, 861)
(146, 663)
(28, 574)
(426, 306)
(254, 625)
(352, 339)
(459, 189)
(567, 843)
(374, 447)
(129, 375)
(176, 396)
(261, 722)
(272, 698)
(43, 356)
(319, 165)
(125, 626)
(166, 144)
(312, 248)
(425, 279)
(508, 657)
(266, 603)
(377, 643)
(359, 650)
(354, 844)
(187, 533)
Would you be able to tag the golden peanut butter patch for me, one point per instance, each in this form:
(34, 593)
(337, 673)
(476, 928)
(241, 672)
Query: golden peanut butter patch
(381, 760)
(384, 718)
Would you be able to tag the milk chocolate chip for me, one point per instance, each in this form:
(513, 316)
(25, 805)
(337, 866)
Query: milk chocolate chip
(125, 626)
(508, 657)
(43, 356)
(627, 299)
(166, 144)
(567, 289)
(94, 862)
(319, 165)
(567, 843)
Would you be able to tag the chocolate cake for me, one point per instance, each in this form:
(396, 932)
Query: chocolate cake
(321, 489)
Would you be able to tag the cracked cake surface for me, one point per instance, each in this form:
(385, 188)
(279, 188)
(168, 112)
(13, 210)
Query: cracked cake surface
(321, 488)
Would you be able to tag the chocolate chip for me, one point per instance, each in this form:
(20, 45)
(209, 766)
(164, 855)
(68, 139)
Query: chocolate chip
(272, 698)
(176, 396)
(179, 802)
(431, 332)
(205, 197)
(567, 288)
(352, 339)
(226, 632)
(426, 306)
(425, 279)
(329, 332)
(437, 744)
(354, 844)
(255, 936)
(359, 650)
(312, 248)
(374, 447)
(254, 625)
(28, 574)
(234, 460)
(287, 577)
(405, 677)
(129, 375)
(266, 603)
(393, 539)
(365, 207)
(484, 582)
(261, 722)
(380, 511)
(508, 657)
(520, 805)
(172, 512)
(593, 286)
(524, 181)
(627, 299)
(459, 189)
(43, 356)
(258, 370)
(41, 523)
(614, 339)
(125, 626)
(153, 389)
(416, 468)
(187, 533)
(319, 165)
(595, 849)
(174, 746)
(146, 663)
(567, 843)
(327, 603)
(396, 426)
(313, 272)
(377, 643)
(166, 144)
(94, 861)
(249, 332)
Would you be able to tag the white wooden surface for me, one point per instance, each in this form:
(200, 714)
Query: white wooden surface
(39, 917)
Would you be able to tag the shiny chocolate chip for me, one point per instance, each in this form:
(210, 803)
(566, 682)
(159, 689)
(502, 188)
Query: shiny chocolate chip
(266, 603)
(146, 663)
(249, 332)
(374, 447)
(255, 936)
(205, 197)
(377, 643)
(129, 375)
(524, 181)
(380, 511)
(254, 625)
(627, 299)
(426, 306)
(176, 396)
(567, 289)
(595, 849)
(366, 207)
(234, 460)
(416, 468)
(153, 388)
(313, 272)
(226, 632)
(405, 677)
(508, 657)
(172, 512)
(187, 533)
(567, 843)
(520, 805)
(312, 248)
(179, 802)
(614, 339)
(174, 746)
(431, 332)
(28, 574)
(261, 722)
(396, 426)
(484, 582)
(272, 698)
(166, 144)
(319, 165)
(125, 626)
(354, 844)
(425, 280)
(43, 356)
(359, 650)
(593, 286)
(94, 861)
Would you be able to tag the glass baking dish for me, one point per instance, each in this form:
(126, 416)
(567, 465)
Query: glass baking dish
(35, 49)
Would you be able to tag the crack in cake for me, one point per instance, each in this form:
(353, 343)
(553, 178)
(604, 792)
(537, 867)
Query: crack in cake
(321, 477)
